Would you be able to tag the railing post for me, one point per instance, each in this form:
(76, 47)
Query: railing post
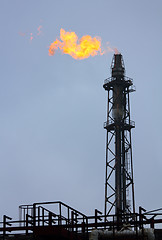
(83, 226)
(20, 215)
(27, 223)
(34, 215)
(50, 218)
(43, 216)
(24, 216)
(76, 222)
(4, 226)
(68, 215)
(152, 224)
(38, 215)
(86, 228)
(97, 217)
(60, 213)
(72, 221)
(141, 219)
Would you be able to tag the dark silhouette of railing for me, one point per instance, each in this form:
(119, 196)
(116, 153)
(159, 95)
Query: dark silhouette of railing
(56, 215)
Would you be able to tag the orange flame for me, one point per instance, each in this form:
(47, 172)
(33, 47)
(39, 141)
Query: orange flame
(87, 46)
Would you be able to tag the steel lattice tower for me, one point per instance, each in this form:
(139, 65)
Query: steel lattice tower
(119, 186)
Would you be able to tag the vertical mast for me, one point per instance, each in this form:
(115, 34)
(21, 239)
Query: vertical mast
(119, 186)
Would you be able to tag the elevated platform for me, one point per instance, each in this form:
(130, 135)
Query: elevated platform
(126, 125)
(58, 221)
(126, 82)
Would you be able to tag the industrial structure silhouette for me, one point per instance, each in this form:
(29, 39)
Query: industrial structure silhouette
(57, 220)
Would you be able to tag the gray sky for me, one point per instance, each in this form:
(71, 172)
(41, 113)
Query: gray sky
(52, 109)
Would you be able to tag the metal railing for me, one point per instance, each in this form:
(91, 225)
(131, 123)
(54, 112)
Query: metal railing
(110, 79)
(125, 122)
(74, 221)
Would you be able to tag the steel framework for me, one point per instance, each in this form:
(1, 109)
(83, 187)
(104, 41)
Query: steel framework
(119, 184)
(57, 220)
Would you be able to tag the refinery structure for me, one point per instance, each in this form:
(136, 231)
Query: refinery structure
(119, 166)
(119, 220)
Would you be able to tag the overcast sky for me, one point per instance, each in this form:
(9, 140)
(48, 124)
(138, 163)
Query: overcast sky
(52, 108)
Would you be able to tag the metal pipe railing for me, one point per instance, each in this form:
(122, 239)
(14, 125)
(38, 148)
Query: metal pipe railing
(75, 221)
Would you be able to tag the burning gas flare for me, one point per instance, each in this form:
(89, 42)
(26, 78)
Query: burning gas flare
(78, 49)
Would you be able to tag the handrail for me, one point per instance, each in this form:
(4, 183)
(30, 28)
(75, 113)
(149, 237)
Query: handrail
(59, 202)
(110, 79)
(136, 220)
(75, 221)
(126, 121)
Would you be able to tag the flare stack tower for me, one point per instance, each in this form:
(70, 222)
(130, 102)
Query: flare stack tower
(119, 185)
